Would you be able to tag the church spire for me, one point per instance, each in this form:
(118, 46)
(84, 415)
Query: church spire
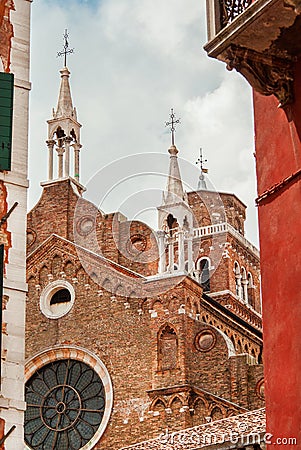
(64, 105)
(174, 188)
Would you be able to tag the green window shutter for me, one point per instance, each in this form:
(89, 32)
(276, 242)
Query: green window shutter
(6, 119)
(1, 300)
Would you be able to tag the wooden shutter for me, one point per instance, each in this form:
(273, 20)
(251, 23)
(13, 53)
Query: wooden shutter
(6, 119)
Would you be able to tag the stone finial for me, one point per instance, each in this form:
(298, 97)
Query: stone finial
(173, 150)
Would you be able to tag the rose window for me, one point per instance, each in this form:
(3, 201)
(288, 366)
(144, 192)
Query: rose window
(65, 406)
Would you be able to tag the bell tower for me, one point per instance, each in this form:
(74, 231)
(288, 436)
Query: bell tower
(175, 218)
(64, 132)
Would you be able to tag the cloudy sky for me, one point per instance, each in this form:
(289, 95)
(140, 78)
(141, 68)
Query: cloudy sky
(133, 61)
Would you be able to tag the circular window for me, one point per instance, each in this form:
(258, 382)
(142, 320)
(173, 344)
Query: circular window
(60, 296)
(85, 225)
(57, 299)
(205, 340)
(65, 406)
(136, 244)
(260, 389)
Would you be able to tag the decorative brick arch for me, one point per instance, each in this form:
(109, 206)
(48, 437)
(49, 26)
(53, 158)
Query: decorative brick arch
(202, 399)
(200, 410)
(80, 354)
(154, 301)
(119, 290)
(176, 398)
(143, 304)
(157, 402)
(167, 347)
(69, 268)
(217, 412)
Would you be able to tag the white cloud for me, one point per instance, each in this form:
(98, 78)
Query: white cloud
(133, 61)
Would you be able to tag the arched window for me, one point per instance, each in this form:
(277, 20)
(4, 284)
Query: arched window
(237, 279)
(203, 266)
(205, 276)
(171, 224)
(167, 349)
(251, 290)
(244, 285)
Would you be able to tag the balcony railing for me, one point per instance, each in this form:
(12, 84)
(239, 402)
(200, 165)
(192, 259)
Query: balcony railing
(232, 8)
(225, 228)
(221, 13)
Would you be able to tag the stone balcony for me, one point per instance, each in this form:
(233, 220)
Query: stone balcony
(225, 227)
(260, 39)
(235, 305)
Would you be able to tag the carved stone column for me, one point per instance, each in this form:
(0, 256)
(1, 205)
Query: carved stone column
(190, 252)
(162, 256)
(50, 145)
(181, 251)
(238, 286)
(60, 152)
(171, 254)
(77, 148)
(67, 156)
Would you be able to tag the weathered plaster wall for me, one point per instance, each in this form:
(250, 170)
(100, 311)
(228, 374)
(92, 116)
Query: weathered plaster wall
(278, 155)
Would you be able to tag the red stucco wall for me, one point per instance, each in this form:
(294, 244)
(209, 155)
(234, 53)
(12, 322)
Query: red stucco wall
(278, 155)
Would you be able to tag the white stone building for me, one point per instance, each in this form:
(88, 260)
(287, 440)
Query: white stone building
(14, 55)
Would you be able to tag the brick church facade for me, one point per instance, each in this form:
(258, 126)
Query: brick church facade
(131, 332)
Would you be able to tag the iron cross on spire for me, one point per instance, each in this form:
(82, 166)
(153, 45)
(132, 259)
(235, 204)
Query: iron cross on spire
(200, 161)
(172, 124)
(66, 50)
